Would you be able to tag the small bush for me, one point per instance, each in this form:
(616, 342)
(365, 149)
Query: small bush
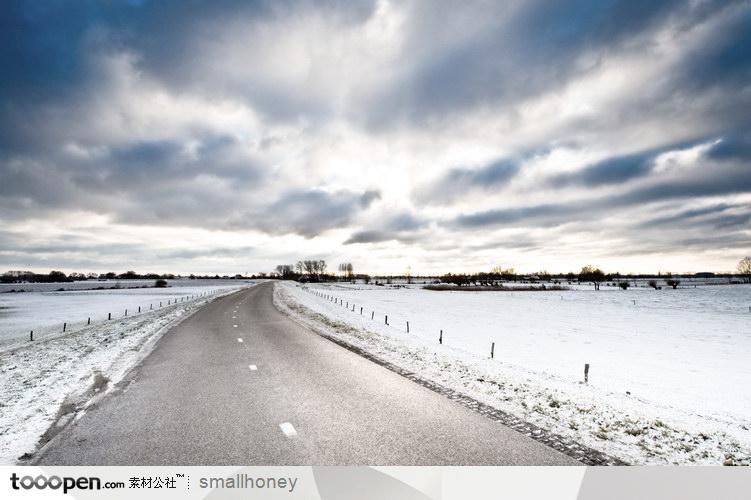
(160, 283)
(653, 284)
(624, 285)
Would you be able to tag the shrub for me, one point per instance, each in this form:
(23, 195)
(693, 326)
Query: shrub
(653, 284)
(624, 285)
(160, 283)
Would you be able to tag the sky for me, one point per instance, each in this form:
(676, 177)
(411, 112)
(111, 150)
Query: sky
(429, 136)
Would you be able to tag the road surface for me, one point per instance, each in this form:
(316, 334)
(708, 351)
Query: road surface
(240, 383)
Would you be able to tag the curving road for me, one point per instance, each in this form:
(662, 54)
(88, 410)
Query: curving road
(240, 383)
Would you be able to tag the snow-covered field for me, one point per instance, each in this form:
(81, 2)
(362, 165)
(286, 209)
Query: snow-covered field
(669, 372)
(44, 312)
(39, 378)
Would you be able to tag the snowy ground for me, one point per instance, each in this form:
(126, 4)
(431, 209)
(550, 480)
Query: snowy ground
(669, 371)
(44, 312)
(38, 378)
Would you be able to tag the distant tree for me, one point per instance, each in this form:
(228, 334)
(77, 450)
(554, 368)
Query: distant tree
(673, 282)
(456, 279)
(160, 283)
(593, 274)
(321, 268)
(366, 278)
(498, 272)
(347, 270)
(310, 267)
(744, 267)
(285, 271)
(623, 284)
(652, 283)
(56, 276)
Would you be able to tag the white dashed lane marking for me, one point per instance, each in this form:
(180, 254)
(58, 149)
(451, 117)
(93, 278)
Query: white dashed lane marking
(253, 367)
(288, 430)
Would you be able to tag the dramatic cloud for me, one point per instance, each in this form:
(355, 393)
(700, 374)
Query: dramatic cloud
(231, 136)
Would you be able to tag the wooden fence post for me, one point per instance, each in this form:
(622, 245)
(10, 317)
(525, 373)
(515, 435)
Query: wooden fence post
(440, 337)
(586, 373)
(387, 319)
(492, 350)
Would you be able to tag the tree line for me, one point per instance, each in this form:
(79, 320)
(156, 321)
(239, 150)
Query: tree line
(61, 277)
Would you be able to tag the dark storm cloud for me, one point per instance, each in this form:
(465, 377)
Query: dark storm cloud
(513, 216)
(736, 146)
(310, 212)
(538, 49)
(619, 169)
(458, 182)
(711, 180)
(404, 227)
(234, 252)
(610, 171)
(689, 215)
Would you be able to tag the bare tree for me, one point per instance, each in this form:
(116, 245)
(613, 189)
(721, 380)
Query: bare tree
(744, 267)
(310, 267)
(321, 268)
(593, 274)
(347, 269)
(285, 271)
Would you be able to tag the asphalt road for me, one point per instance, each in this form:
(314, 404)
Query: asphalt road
(196, 400)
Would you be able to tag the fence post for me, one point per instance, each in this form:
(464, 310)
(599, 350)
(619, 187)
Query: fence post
(492, 350)
(387, 319)
(586, 373)
(372, 315)
(407, 326)
(440, 337)
(126, 312)
(31, 335)
(64, 325)
(88, 321)
(109, 316)
(749, 310)
(139, 308)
